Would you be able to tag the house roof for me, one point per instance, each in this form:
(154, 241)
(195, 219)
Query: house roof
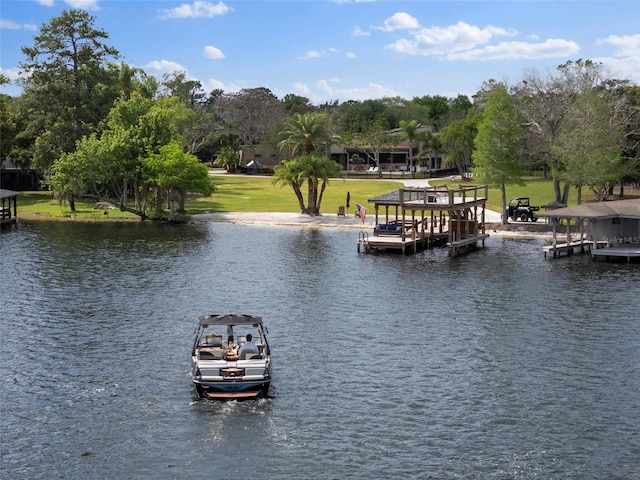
(616, 208)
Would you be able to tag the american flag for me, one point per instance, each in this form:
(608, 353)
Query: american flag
(362, 212)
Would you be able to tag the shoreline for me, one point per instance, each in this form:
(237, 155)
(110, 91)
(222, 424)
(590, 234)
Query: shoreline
(354, 223)
(288, 219)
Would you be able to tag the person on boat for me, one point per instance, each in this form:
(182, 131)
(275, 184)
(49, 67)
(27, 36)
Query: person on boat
(248, 346)
(212, 340)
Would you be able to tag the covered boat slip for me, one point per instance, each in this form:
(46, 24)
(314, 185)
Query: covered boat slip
(608, 230)
(9, 208)
(411, 219)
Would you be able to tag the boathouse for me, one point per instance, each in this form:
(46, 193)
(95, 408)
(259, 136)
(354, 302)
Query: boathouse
(9, 211)
(607, 229)
(410, 219)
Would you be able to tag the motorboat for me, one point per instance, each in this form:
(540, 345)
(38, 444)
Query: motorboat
(230, 358)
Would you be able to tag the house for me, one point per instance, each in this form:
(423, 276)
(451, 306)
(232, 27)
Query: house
(400, 156)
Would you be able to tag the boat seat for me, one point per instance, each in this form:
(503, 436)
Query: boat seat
(210, 354)
(250, 356)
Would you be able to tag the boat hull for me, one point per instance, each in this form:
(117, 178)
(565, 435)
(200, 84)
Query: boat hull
(231, 390)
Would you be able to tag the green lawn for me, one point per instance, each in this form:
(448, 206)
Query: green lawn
(246, 193)
(234, 193)
(539, 190)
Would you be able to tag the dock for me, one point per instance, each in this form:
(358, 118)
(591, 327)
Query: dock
(621, 252)
(419, 218)
(9, 208)
(571, 248)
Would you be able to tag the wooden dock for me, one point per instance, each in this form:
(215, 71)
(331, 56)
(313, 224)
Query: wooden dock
(428, 217)
(623, 252)
(570, 248)
(403, 244)
(9, 209)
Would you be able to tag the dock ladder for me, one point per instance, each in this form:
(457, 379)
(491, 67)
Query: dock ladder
(363, 239)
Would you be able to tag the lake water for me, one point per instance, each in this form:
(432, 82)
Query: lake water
(499, 364)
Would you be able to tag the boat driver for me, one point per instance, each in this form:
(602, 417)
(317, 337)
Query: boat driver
(248, 346)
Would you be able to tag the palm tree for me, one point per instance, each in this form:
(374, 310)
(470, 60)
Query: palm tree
(305, 133)
(313, 168)
(410, 131)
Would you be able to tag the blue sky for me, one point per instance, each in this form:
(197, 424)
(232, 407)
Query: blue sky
(342, 50)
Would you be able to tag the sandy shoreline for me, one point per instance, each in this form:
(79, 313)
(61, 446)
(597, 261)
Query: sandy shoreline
(350, 222)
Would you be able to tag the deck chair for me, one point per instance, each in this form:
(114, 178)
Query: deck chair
(341, 212)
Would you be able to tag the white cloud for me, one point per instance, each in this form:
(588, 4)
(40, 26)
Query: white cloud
(215, 84)
(358, 32)
(158, 67)
(351, 55)
(628, 45)
(212, 52)
(400, 21)
(311, 54)
(318, 53)
(11, 73)
(552, 48)
(196, 10)
(443, 41)
(11, 25)
(626, 64)
(83, 4)
(622, 68)
(46, 3)
(371, 90)
(301, 89)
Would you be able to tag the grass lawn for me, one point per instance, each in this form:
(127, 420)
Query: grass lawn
(539, 190)
(234, 193)
(42, 204)
(247, 193)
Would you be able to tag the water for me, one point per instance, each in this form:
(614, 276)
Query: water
(500, 364)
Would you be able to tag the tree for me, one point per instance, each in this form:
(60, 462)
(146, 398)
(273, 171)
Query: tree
(589, 146)
(373, 140)
(189, 92)
(314, 169)
(296, 104)
(457, 138)
(306, 136)
(7, 123)
(438, 108)
(69, 89)
(228, 158)
(109, 167)
(410, 132)
(544, 102)
(248, 114)
(176, 173)
(497, 144)
(305, 133)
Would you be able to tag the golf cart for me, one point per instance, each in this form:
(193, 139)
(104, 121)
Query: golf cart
(519, 209)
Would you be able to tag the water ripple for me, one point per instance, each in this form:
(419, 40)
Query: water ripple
(500, 364)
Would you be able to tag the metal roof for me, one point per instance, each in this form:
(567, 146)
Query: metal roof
(610, 209)
(8, 193)
(229, 319)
